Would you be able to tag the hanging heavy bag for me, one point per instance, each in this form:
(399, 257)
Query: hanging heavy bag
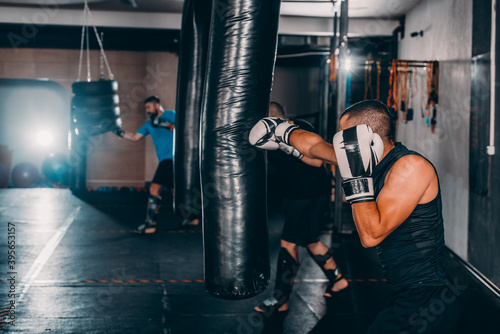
(94, 108)
(242, 48)
(101, 87)
(96, 112)
(95, 101)
(85, 115)
(190, 84)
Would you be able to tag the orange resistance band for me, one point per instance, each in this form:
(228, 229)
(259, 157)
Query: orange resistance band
(333, 67)
(379, 69)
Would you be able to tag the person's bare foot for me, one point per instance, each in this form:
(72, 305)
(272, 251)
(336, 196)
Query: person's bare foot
(339, 286)
(283, 308)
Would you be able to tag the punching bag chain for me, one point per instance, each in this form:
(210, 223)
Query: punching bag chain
(89, 76)
(111, 76)
(82, 43)
(87, 16)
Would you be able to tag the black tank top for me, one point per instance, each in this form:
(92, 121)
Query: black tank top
(412, 255)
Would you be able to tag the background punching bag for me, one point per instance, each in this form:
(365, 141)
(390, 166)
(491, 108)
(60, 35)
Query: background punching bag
(190, 83)
(242, 48)
(95, 110)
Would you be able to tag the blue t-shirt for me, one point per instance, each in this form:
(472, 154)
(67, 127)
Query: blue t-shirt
(163, 138)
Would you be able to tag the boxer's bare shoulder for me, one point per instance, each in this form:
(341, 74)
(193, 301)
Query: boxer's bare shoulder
(415, 174)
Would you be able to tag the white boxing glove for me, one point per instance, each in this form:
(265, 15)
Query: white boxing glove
(262, 134)
(358, 151)
(283, 132)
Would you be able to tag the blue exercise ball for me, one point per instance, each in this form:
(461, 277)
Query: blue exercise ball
(25, 175)
(56, 169)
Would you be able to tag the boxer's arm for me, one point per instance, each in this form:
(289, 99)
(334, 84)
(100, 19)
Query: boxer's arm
(133, 136)
(313, 146)
(312, 162)
(407, 182)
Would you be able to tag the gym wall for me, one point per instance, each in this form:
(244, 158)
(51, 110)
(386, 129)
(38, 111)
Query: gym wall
(447, 27)
(297, 89)
(111, 162)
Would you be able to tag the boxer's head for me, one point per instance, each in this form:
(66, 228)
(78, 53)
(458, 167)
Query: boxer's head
(276, 110)
(152, 105)
(373, 113)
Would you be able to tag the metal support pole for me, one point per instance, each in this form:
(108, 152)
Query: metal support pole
(490, 149)
(341, 101)
(324, 84)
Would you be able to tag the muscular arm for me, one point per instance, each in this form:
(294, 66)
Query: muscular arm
(411, 181)
(313, 146)
(133, 136)
(312, 162)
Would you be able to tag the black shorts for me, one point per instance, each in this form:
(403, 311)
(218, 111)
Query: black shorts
(304, 218)
(164, 174)
(426, 309)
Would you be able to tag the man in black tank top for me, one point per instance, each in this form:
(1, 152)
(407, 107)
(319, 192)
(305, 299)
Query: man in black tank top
(396, 205)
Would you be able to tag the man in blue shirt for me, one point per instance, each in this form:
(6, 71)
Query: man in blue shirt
(160, 127)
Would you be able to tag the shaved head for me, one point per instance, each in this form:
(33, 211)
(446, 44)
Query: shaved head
(276, 110)
(373, 113)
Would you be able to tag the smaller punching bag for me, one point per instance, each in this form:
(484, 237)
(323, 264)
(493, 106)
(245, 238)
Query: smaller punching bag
(94, 110)
(95, 107)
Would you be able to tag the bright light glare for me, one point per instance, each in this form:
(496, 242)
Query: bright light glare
(44, 138)
(347, 65)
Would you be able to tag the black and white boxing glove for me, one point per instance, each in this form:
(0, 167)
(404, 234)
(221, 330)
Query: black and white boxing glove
(262, 133)
(358, 150)
(283, 132)
(157, 122)
(269, 132)
(119, 132)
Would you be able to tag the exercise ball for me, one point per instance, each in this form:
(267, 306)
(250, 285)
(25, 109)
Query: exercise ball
(4, 176)
(55, 167)
(24, 175)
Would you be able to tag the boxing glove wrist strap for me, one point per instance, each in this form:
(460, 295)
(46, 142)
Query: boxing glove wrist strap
(283, 132)
(358, 190)
(297, 154)
(290, 150)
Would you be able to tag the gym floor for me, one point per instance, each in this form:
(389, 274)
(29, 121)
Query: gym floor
(80, 269)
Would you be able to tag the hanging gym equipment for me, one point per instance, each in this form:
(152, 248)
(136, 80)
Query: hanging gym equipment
(240, 66)
(190, 85)
(94, 107)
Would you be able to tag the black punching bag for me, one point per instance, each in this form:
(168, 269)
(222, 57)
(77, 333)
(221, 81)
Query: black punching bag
(242, 48)
(95, 110)
(190, 83)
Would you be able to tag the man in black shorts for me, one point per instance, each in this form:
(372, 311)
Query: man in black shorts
(396, 205)
(160, 126)
(306, 202)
